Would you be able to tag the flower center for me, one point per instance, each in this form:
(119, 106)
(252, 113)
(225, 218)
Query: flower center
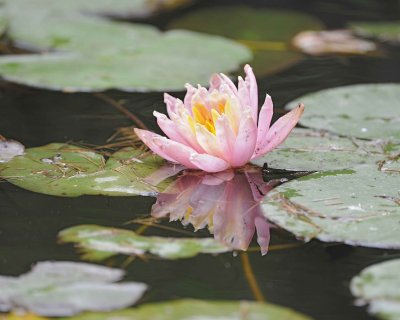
(207, 117)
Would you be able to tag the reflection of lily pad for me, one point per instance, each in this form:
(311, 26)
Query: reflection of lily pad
(310, 150)
(204, 310)
(99, 243)
(96, 54)
(68, 288)
(357, 207)
(66, 170)
(370, 111)
(378, 286)
(267, 31)
(386, 31)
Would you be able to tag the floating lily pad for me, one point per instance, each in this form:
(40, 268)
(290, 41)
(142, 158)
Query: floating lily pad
(378, 286)
(65, 170)
(204, 310)
(332, 42)
(369, 111)
(120, 8)
(99, 243)
(360, 206)
(83, 52)
(267, 31)
(311, 150)
(155, 65)
(385, 31)
(68, 288)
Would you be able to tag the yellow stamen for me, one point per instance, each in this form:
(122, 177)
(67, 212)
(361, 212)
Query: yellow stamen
(210, 126)
(206, 117)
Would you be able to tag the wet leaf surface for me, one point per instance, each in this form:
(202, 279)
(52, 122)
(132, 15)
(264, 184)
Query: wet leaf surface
(137, 57)
(358, 207)
(98, 243)
(313, 150)
(204, 310)
(268, 32)
(122, 8)
(66, 170)
(68, 288)
(378, 286)
(368, 111)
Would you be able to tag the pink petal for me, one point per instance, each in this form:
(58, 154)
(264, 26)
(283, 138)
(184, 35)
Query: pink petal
(208, 162)
(170, 101)
(229, 84)
(245, 141)
(251, 83)
(279, 131)
(264, 120)
(169, 128)
(186, 131)
(166, 148)
(244, 94)
(191, 91)
(215, 82)
(208, 141)
(201, 97)
(225, 137)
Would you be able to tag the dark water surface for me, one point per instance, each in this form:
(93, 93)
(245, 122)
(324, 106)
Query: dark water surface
(312, 278)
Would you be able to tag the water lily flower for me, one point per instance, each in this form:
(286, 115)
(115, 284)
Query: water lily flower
(220, 128)
(227, 203)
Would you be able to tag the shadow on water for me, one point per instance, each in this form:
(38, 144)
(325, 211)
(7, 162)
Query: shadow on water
(312, 278)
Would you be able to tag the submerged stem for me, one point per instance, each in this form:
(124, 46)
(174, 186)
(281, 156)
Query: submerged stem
(250, 277)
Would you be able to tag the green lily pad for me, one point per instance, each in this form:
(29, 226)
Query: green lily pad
(65, 170)
(310, 150)
(204, 310)
(267, 31)
(52, 288)
(385, 31)
(83, 52)
(368, 111)
(152, 66)
(120, 8)
(378, 286)
(98, 243)
(357, 207)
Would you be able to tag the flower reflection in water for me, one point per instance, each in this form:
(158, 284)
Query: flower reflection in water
(228, 203)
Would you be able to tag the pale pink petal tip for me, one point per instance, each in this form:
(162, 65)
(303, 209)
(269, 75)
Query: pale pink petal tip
(279, 131)
(208, 162)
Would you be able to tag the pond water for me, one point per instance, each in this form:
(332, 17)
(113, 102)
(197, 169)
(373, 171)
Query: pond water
(312, 278)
